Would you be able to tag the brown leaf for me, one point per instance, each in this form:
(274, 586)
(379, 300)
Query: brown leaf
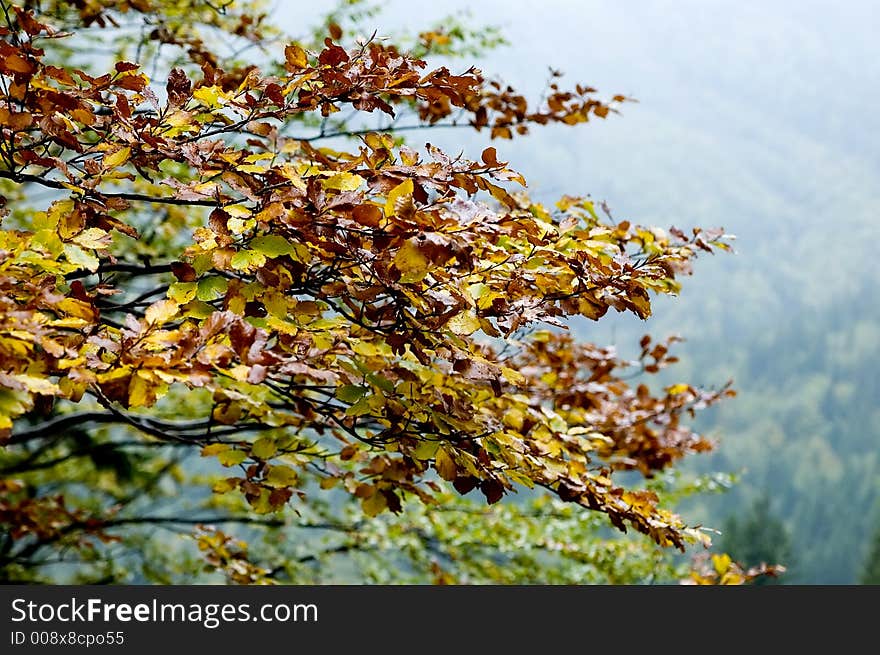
(183, 271)
(332, 55)
(178, 87)
(492, 490)
(490, 157)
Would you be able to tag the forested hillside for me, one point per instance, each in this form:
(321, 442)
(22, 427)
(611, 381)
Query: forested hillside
(757, 117)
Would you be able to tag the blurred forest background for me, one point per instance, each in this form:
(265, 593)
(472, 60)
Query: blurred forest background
(759, 117)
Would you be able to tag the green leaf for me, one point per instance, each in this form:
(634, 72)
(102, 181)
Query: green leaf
(183, 292)
(381, 381)
(264, 448)
(272, 245)
(211, 288)
(79, 257)
(426, 450)
(360, 408)
(245, 259)
(197, 309)
(350, 393)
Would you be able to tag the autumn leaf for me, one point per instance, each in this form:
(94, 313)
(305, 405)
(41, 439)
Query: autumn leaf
(116, 158)
(80, 257)
(445, 465)
(490, 157)
(178, 87)
(231, 457)
(344, 182)
(182, 292)
(281, 475)
(464, 324)
(161, 312)
(210, 96)
(411, 262)
(374, 505)
(398, 197)
(296, 57)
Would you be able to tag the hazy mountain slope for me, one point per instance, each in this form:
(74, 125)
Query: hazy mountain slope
(759, 117)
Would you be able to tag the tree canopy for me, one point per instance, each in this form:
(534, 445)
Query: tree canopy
(228, 298)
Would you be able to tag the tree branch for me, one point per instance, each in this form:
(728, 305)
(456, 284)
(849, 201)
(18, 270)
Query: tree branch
(60, 424)
(21, 178)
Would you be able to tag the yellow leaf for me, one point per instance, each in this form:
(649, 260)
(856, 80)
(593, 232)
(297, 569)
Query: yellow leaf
(513, 376)
(445, 465)
(141, 392)
(344, 182)
(36, 384)
(281, 476)
(209, 96)
(58, 210)
(401, 191)
(296, 57)
(214, 449)
(231, 457)
(161, 311)
(410, 261)
(721, 563)
(77, 308)
(94, 238)
(464, 323)
(237, 211)
(183, 292)
(289, 172)
(117, 158)
(225, 485)
(374, 504)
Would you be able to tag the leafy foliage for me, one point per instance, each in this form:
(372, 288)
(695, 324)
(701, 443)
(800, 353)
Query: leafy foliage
(721, 570)
(365, 324)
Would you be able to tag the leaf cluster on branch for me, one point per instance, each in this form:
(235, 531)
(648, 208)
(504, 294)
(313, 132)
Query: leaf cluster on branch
(207, 276)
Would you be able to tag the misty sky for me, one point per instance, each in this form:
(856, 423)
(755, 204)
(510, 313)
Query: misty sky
(779, 95)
